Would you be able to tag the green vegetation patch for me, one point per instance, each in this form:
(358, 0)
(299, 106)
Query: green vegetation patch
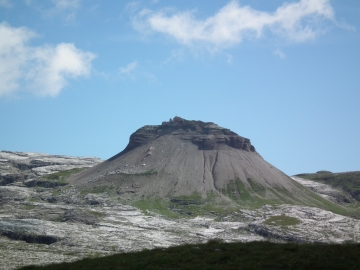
(185, 206)
(148, 173)
(61, 176)
(156, 205)
(282, 221)
(256, 187)
(249, 196)
(54, 180)
(95, 190)
(29, 207)
(218, 255)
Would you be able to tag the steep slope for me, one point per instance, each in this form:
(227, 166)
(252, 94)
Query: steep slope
(194, 159)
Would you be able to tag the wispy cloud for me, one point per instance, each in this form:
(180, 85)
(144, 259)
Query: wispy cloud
(296, 21)
(134, 72)
(42, 70)
(67, 9)
(279, 54)
(129, 68)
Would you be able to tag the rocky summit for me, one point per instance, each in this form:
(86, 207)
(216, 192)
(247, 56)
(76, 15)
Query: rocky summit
(206, 136)
(194, 158)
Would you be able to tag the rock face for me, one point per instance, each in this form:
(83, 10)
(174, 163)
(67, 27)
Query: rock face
(188, 158)
(207, 136)
(27, 166)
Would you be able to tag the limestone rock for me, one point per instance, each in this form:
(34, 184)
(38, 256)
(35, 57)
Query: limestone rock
(28, 166)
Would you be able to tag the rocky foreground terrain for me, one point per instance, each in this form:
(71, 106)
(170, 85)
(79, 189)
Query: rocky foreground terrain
(43, 219)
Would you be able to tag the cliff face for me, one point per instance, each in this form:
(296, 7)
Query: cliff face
(207, 136)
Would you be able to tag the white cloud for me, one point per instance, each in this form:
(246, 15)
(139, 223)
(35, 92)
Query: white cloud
(42, 70)
(279, 54)
(297, 21)
(5, 3)
(129, 68)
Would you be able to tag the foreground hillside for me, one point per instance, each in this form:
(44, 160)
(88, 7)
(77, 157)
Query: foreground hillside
(217, 255)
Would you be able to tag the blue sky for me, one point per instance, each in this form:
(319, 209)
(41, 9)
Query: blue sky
(78, 77)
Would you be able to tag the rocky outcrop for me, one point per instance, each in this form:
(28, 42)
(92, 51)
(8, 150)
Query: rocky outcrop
(30, 238)
(206, 135)
(80, 216)
(10, 178)
(29, 167)
(277, 234)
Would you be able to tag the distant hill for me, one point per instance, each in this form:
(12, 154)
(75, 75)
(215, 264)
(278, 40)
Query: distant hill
(348, 182)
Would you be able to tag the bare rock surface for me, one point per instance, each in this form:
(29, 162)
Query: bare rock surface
(42, 232)
(20, 166)
(324, 190)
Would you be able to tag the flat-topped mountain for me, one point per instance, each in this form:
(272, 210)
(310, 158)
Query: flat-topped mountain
(195, 159)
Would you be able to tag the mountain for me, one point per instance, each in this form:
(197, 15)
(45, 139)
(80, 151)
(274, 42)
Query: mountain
(50, 212)
(194, 162)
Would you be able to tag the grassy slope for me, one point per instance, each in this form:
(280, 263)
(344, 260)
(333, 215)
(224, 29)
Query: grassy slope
(250, 198)
(347, 181)
(217, 255)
